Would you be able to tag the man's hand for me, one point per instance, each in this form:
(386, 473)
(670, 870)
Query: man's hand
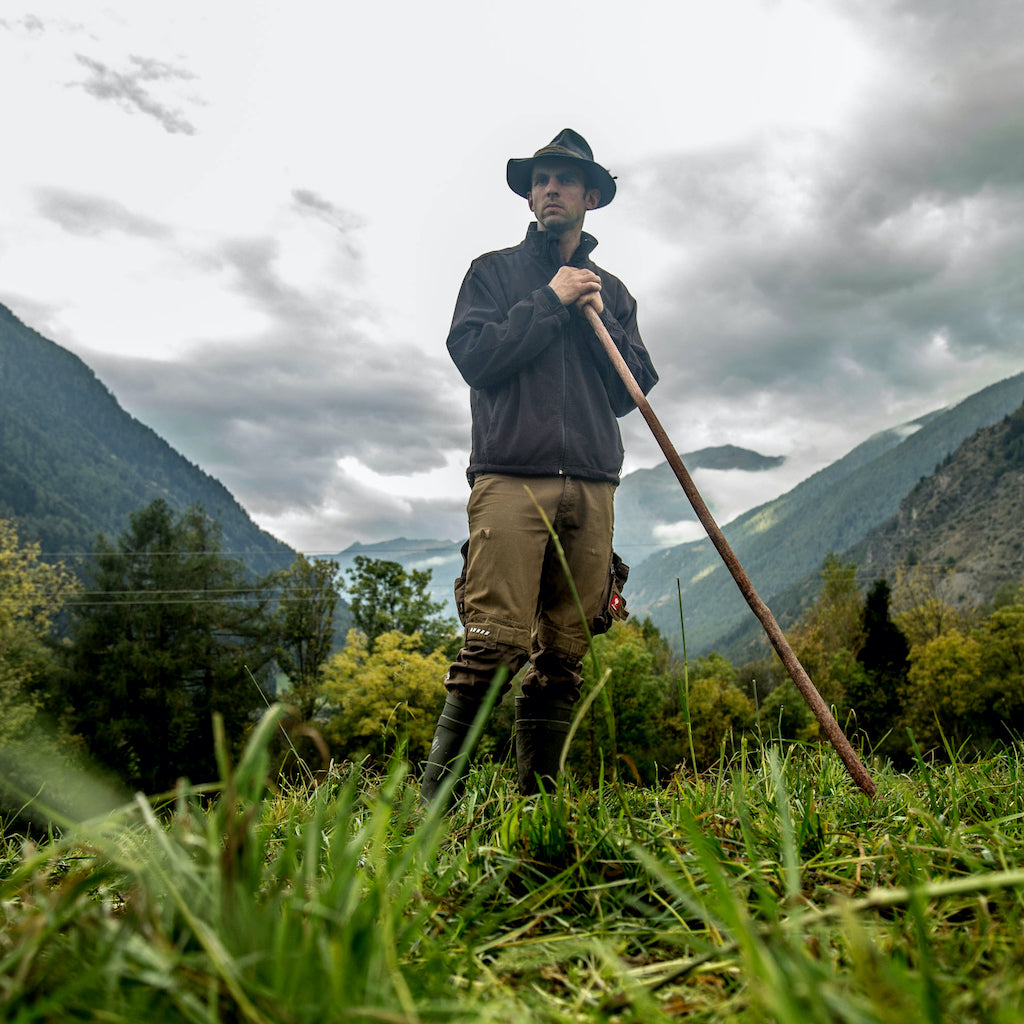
(592, 299)
(574, 285)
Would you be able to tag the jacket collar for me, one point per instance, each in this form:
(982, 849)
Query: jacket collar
(545, 244)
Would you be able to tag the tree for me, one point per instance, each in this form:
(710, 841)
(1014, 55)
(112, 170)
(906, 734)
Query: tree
(786, 714)
(968, 689)
(1001, 636)
(719, 710)
(946, 694)
(305, 626)
(831, 634)
(636, 690)
(387, 698)
(31, 595)
(645, 691)
(877, 695)
(885, 649)
(384, 598)
(1008, 594)
(918, 607)
(165, 637)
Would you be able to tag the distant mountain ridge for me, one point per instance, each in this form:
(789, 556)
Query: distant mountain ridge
(960, 532)
(780, 544)
(441, 557)
(784, 541)
(649, 498)
(73, 463)
(645, 499)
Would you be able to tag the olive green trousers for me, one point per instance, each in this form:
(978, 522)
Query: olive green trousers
(518, 602)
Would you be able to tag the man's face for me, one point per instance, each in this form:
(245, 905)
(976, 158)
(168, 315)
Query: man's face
(559, 198)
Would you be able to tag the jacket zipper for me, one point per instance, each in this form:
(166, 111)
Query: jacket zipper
(565, 385)
(561, 460)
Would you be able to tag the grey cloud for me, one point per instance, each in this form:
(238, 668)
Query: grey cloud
(826, 267)
(81, 213)
(126, 89)
(272, 417)
(307, 201)
(29, 23)
(952, 123)
(362, 513)
(148, 69)
(252, 264)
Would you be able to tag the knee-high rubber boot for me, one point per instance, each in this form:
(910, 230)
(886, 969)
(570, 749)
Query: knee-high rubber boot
(453, 725)
(541, 728)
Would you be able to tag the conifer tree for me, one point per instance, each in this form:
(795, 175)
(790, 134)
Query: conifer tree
(164, 637)
(878, 697)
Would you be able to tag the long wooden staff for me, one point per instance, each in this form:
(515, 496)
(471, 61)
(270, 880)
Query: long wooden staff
(796, 671)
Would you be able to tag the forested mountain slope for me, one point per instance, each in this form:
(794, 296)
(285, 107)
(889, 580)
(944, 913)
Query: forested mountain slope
(73, 463)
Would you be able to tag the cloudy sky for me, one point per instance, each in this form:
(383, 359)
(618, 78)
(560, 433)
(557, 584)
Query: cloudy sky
(252, 220)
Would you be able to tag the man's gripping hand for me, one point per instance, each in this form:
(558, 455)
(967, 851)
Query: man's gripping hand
(577, 286)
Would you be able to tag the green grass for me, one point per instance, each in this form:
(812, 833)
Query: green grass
(768, 890)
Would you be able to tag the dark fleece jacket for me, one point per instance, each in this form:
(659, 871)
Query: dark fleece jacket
(545, 396)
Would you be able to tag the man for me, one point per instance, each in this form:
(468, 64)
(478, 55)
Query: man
(544, 401)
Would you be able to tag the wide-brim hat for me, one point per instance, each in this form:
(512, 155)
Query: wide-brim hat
(566, 145)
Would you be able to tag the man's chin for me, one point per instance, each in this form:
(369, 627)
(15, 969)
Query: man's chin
(556, 226)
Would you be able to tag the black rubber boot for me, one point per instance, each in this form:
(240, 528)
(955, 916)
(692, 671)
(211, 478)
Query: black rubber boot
(541, 728)
(453, 725)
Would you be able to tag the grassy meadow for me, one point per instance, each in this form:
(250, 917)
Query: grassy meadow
(768, 890)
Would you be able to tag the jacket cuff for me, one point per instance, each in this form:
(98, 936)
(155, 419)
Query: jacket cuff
(549, 301)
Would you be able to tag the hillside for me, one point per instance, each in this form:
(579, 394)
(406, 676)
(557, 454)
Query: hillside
(782, 543)
(73, 463)
(964, 520)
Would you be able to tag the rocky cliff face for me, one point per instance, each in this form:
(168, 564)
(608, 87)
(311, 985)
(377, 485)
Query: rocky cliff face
(965, 521)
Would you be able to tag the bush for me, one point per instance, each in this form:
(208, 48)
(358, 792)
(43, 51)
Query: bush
(385, 700)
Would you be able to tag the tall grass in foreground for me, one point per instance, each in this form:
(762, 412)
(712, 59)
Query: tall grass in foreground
(767, 890)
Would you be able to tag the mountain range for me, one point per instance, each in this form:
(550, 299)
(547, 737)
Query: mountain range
(647, 501)
(781, 544)
(73, 463)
